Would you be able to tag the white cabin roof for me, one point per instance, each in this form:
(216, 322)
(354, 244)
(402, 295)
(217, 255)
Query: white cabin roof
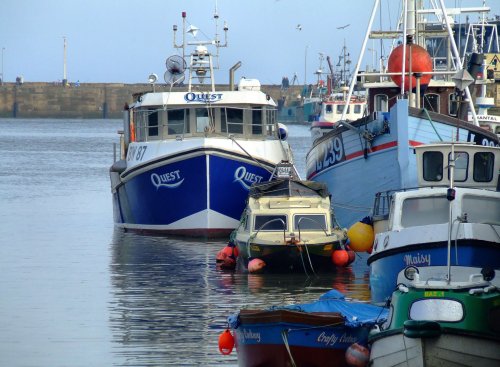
(187, 99)
(391, 84)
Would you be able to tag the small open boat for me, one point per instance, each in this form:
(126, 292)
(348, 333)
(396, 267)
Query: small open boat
(441, 317)
(311, 334)
(288, 224)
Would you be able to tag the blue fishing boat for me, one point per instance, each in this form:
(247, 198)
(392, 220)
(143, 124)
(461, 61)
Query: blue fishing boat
(412, 101)
(457, 204)
(189, 154)
(311, 334)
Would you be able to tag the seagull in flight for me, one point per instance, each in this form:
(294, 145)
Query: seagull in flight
(299, 27)
(344, 26)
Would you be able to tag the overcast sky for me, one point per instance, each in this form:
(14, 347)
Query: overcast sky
(124, 40)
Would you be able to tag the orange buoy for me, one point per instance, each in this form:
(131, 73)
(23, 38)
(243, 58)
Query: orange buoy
(231, 250)
(226, 342)
(256, 265)
(352, 256)
(357, 355)
(226, 258)
(340, 257)
(420, 62)
(361, 235)
(225, 262)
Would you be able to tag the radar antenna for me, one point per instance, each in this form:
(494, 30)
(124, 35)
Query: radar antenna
(176, 66)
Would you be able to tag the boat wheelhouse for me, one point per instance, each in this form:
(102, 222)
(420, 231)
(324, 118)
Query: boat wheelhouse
(413, 226)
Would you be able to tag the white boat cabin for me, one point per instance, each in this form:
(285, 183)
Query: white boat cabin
(248, 113)
(476, 180)
(288, 206)
(476, 166)
(331, 109)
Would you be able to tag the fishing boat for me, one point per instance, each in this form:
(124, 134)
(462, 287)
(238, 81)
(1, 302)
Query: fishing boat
(413, 227)
(312, 95)
(441, 316)
(331, 109)
(288, 225)
(332, 105)
(310, 334)
(411, 101)
(189, 154)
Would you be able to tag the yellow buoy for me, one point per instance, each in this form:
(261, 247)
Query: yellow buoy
(361, 235)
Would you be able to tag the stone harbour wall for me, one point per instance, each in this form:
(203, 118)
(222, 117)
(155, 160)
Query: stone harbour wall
(87, 100)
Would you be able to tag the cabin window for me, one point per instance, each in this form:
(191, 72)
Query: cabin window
(483, 166)
(431, 102)
(381, 103)
(424, 211)
(357, 109)
(437, 309)
(177, 122)
(391, 212)
(153, 124)
(328, 108)
(247, 222)
(340, 109)
(481, 209)
(270, 122)
(204, 119)
(270, 223)
(461, 166)
(234, 120)
(453, 105)
(257, 121)
(223, 120)
(309, 222)
(433, 166)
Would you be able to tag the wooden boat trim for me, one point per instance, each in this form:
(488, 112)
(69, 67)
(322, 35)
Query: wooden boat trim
(289, 316)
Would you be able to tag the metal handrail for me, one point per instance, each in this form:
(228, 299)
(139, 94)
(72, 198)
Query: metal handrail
(270, 221)
(312, 220)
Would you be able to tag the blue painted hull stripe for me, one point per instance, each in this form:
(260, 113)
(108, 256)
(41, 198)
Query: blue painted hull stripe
(205, 151)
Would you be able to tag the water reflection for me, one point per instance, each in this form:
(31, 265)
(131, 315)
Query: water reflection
(169, 302)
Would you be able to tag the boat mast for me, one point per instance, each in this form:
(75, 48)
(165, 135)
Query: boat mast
(201, 64)
(450, 195)
(356, 69)
(458, 64)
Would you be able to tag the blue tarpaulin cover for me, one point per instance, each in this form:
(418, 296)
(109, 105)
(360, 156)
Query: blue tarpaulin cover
(355, 313)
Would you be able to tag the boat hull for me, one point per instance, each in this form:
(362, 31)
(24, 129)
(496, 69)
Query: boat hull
(315, 257)
(355, 168)
(186, 194)
(443, 351)
(385, 266)
(444, 316)
(312, 340)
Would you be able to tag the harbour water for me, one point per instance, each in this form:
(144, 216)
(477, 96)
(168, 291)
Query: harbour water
(76, 292)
